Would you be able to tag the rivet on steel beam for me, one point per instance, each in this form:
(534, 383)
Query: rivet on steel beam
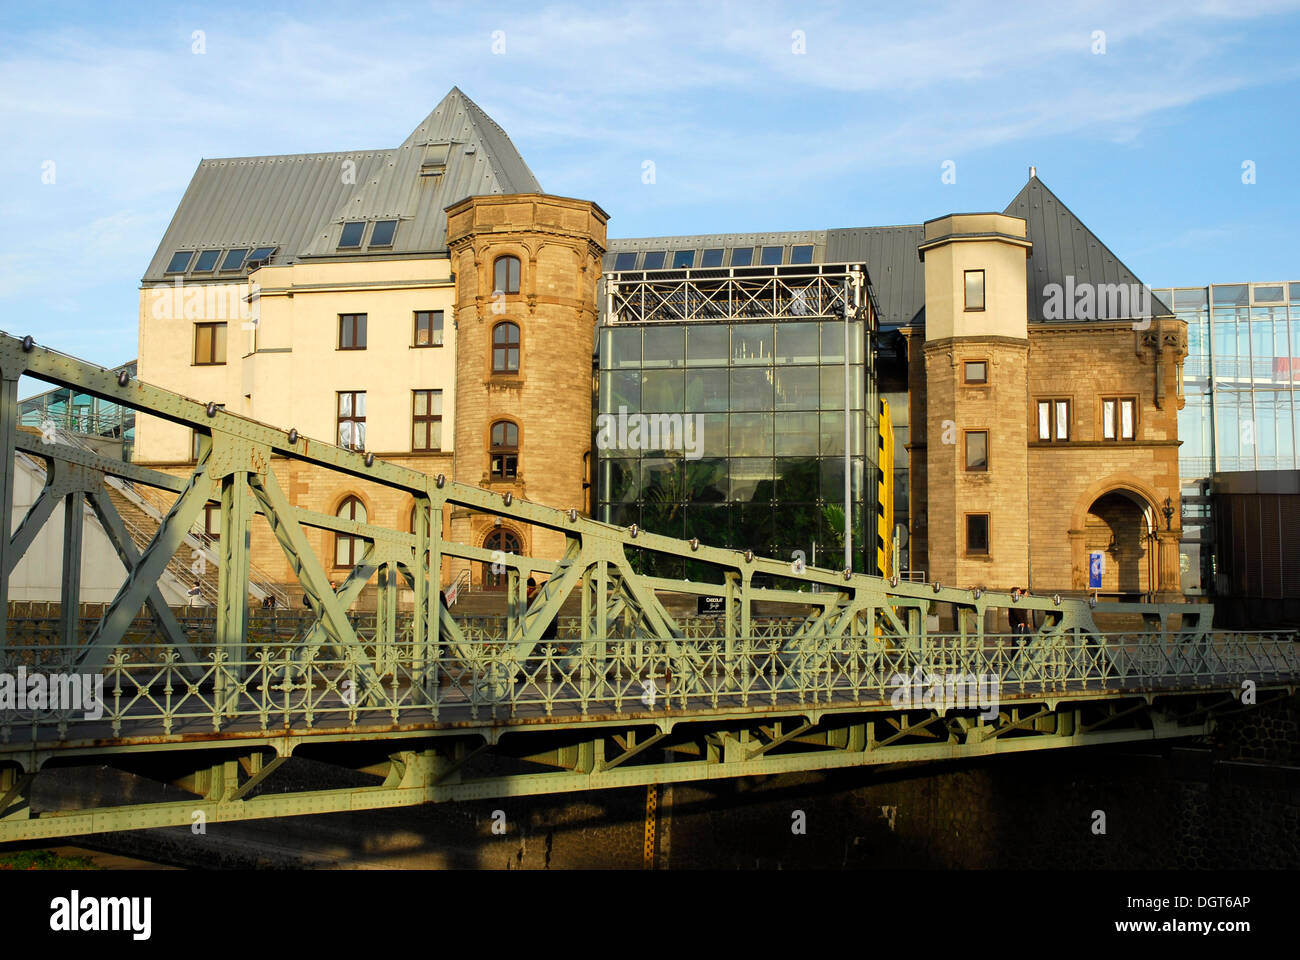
(293, 436)
(633, 530)
(975, 592)
(28, 343)
(695, 544)
(1092, 601)
(893, 581)
(370, 459)
(508, 498)
(212, 409)
(749, 556)
(1056, 599)
(123, 378)
(937, 586)
(573, 515)
(848, 574)
(442, 479)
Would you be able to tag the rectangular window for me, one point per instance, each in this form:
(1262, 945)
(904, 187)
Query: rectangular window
(428, 328)
(382, 233)
(351, 235)
(712, 258)
(977, 534)
(625, 261)
(974, 289)
(654, 260)
(683, 259)
(207, 261)
(742, 256)
(180, 261)
(352, 331)
(234, 259)
(772, 256)
(977, 450)
(1119, 418)
(209, 344)
(1053, 419)
(260, 255)
(426, 420)
(352, 419)
(976, 371)
(801, 254)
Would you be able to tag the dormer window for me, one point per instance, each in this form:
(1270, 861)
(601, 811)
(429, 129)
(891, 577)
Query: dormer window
(260, 256)
(351, 235)
(435, 159)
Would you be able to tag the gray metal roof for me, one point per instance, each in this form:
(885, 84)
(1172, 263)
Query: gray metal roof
(476, 158)
(298, 202)
(1064, 247)
(897, 273)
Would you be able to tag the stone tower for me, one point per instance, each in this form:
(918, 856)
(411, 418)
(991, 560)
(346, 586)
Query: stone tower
(526, 269)
(976, 362)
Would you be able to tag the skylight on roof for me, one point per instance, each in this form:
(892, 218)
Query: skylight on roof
(179, 261)
(261, 255)
(234, 258)
(625, 261)
(207, 261)
(382, 234)
(351, 235)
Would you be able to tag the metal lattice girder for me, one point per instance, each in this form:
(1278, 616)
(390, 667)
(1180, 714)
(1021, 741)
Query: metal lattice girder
(809, 291)
(421, 769)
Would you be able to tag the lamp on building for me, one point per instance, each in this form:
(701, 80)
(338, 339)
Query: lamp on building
(1168, 511)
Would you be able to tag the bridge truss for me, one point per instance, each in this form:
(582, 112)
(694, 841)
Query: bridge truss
(424, 707)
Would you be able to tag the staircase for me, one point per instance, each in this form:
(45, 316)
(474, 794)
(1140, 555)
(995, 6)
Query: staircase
(197, 559)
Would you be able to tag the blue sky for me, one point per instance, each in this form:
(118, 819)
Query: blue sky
(1144, 141)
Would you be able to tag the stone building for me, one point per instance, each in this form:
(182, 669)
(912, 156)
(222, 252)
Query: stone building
(431, 304)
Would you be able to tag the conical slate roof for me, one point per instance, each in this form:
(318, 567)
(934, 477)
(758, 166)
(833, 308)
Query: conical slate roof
(297, 203)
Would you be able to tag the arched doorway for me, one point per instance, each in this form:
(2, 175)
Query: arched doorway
(505, 540)
(1121, 526)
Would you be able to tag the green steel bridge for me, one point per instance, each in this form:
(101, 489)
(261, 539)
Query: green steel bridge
(840, 670)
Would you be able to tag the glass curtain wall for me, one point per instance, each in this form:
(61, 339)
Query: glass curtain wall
(768, 399)
(1240, 383)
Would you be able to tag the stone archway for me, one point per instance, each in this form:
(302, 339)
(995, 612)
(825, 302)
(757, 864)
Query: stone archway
(506, 540)
(1121, 525)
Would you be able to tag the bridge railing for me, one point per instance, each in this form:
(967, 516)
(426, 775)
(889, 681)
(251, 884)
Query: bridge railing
(152, 690)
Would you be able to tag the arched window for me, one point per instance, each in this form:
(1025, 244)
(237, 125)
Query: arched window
(506, 272)
(505, 541)
(505, 450)
(348, 549)
(505, 348)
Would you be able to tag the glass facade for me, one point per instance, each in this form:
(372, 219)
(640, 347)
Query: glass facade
(769, 458)
(1240, 383)
(80, 413)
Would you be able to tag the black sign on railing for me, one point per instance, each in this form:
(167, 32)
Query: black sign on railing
(710, 606)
